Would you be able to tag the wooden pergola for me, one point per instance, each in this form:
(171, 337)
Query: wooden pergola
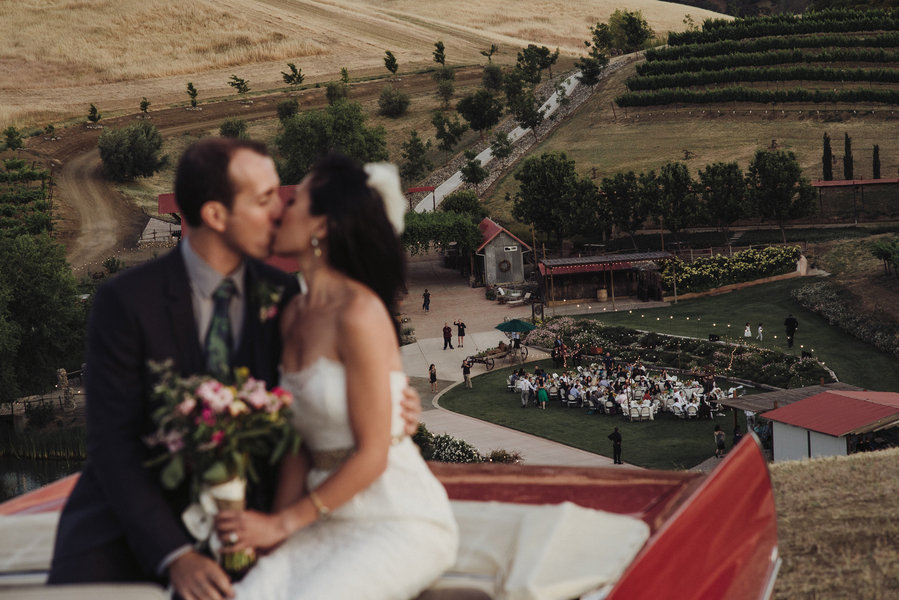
(550, 268)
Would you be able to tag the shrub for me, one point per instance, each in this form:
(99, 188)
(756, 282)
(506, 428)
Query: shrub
(336, 90)
(234, 128)
(393, 103)
(131, 152)
(39, 414)
(449, 449)
(503, 456)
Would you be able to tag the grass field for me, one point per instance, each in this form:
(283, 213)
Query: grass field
(665, 443)
(60, 55)
(853, 361)
(614, 140)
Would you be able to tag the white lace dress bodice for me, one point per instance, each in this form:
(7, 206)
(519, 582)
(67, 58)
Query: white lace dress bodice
(390, 541)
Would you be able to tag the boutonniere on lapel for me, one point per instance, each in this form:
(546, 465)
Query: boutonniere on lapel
(267, 297)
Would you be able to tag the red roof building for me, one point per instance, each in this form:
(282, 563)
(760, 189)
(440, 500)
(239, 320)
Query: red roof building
(831, 423)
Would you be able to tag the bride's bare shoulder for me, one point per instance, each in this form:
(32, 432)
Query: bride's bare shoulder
(362, 308)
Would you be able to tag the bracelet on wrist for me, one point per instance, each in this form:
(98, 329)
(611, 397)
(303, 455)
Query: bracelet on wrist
(323, 511)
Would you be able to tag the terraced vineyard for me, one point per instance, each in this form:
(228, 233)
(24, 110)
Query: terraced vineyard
(828, 57)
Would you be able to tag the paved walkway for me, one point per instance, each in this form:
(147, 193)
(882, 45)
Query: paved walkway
(452, 299)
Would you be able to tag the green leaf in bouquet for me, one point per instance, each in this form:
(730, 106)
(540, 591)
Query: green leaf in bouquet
(285, 438)
(217, 473)
(252, 475)
(173, 473)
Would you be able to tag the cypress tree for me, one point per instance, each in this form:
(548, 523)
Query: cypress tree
(876, 167)
(827, 159)
(848, 170)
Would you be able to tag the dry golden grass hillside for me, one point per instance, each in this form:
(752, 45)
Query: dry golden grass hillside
(61, 55)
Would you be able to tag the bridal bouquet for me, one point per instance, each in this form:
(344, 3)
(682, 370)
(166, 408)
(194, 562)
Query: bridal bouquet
(209, 434)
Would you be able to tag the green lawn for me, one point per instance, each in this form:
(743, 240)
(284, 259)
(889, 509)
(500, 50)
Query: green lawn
(853, 361)
(666, 443)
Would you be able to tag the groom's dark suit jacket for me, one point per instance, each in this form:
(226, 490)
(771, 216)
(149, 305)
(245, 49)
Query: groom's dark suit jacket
(119, 524)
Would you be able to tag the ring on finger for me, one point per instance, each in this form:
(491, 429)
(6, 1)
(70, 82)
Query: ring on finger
(233, 538)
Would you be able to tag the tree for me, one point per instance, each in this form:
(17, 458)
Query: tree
(287, 108)
(311, 134)
(776, 189)
(131, 152)
(526, 112)
(490, 52)
(875, 166)
(493, 78)
(465, 202)
(241, 85)
(848, 167)
(293, 76)
(440, 229)
(335, 91)
(440, 54)
(553, 198)
(827, 160)
(192, 94)
(628, 31)
(13, 138)
(533, 60)
(449, 132)
(444, 73)
(501, 146)
(723, 192)
(41, 320)
(415, 161)
(473, 173)
(234, 128)
(481, 110)
(597, 58)
(344, 75)
(393, 103)
(93, 115)
(676, 206)
(144, 105)
(390, 62)
(591, 69)
(445, 90)
(622, 203)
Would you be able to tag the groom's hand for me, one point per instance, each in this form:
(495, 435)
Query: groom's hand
(410, 410)
(196, 577)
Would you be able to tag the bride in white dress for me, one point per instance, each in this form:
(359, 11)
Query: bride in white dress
(358, 514)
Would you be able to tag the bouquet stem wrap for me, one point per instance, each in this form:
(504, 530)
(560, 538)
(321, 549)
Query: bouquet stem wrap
(231, 495)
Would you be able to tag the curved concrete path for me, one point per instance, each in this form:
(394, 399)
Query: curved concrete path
(452, 299)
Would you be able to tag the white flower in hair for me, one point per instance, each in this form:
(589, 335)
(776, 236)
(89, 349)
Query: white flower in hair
(384, 178)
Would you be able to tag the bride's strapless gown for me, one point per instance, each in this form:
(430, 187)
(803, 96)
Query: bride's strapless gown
(389, 542)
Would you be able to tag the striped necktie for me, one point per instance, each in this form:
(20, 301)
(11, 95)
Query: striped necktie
(219, 338)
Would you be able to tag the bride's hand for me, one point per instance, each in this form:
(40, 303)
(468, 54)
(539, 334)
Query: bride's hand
(243, 529)
(410, 410)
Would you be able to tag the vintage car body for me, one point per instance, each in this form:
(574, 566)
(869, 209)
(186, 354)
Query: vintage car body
(713, 536)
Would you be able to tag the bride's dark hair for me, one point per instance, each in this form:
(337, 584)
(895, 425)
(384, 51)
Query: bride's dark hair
(361, 241)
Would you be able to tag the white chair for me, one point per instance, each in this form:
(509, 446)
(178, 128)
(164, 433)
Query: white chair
(646, 413)
(610, 407)
(634, 413)
(571, 401)
(521, 300)
(510, 385)
(678, 411)
(692, 411)
(553, 392)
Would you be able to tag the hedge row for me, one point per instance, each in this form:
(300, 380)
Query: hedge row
(746, 74)
(829, 21)
(716, 271)
(743, 94)
(773, 57)
(766, 44)
(829, 301)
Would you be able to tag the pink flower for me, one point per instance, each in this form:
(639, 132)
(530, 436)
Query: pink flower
(187, 405)
(285, 397)
(217, 437)
(208, 417)
(215, 395)
(174, 441)
(253, 393)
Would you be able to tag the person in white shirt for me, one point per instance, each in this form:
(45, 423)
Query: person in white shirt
(525, 387)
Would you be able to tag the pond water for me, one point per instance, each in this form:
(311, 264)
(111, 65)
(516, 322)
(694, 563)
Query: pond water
(20, 475)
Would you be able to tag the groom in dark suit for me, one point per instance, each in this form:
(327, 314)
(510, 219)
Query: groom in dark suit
(119, 524)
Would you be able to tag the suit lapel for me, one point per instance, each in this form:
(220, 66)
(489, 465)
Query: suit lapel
(180, 311)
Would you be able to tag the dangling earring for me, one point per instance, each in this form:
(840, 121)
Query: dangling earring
(316, 251)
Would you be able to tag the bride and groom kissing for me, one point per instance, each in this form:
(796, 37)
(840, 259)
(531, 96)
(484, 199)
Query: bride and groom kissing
(356, 514)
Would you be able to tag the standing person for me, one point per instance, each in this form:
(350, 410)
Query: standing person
(447, 336)
(791, 325)
(525, 387)
(432, 377)
(359, 515)
(759, 336)
(460, 331)
(719, 441)
(119, 525)
(616, 446)
(542, 394)
(466, 373)
(426, 300)
(747, 331)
